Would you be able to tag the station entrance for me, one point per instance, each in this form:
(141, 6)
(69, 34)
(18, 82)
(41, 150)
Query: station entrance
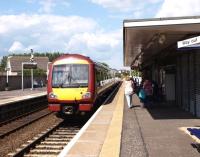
(150, 45)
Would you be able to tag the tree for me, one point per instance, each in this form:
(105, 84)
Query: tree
(36, 72)
(105, 64)
(135, 73)
(3, 63)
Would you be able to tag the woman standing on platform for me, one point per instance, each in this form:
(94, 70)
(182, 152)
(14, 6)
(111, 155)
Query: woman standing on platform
(129, 88)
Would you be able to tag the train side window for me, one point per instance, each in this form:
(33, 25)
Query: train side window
(98, 77)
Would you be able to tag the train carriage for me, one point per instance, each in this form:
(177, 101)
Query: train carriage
(75, 82)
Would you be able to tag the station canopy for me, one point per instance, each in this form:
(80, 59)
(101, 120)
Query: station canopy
(145, 39)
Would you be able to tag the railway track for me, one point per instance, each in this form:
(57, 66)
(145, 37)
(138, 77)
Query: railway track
(19, 123)
(51, 142)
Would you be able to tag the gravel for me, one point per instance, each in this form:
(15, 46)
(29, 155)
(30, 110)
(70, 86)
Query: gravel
(9, 143)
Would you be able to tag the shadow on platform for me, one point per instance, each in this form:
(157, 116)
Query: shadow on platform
(164, 110)
(169, 112)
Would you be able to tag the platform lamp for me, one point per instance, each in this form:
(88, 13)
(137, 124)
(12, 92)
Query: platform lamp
(32, 60)
(7, 73)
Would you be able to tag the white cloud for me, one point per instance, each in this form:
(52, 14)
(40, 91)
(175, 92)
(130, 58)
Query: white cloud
(100, 45)
(16, 47)
(125, 5)
(72, 34)
(47, 6)
(172, 8)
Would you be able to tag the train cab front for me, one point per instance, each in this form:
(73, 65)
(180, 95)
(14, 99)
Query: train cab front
(69, 89)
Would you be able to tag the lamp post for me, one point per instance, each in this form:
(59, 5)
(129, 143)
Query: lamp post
(7, 73)
(22, 76)
(32, 60)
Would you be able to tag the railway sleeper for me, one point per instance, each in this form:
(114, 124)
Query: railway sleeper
(61, 136)
(54, 143)
(57, 139)
(49, 147)
(64, 133)
(68, 130)
(44, 151)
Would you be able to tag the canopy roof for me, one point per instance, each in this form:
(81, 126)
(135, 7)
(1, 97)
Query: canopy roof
(146, 38)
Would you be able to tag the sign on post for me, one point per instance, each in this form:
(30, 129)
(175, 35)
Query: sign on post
(30, 65)
(191, 42)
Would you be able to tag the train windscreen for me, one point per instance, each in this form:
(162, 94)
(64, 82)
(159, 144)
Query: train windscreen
(70, 75)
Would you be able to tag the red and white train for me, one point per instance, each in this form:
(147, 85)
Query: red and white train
(75, 82)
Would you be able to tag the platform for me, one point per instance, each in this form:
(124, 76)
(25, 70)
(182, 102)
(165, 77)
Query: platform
(116, 131)
(155, 132)
(7, 97)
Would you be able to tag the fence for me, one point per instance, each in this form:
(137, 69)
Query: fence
(15, 82)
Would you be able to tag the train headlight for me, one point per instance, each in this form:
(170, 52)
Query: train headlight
(52, 96)
(86, 95)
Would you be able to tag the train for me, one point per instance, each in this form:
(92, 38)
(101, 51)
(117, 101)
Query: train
(75, 82)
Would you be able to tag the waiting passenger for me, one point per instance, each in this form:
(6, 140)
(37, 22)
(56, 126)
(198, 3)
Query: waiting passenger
(147, 86)
(129, 90)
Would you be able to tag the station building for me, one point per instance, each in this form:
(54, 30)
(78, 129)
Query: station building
(150, 45)
(14, 63)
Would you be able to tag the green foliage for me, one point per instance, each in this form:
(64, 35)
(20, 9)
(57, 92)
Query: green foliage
(36, 72)
(39, 72)
(3, 63)
(135, 73)
(2, 69)
(53, 56)
(117, 75)
(50, 55)
(105, 64)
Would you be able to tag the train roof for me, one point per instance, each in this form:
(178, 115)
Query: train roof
(74, 56)
(98, 64)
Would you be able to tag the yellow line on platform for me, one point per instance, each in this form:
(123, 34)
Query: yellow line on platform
(111, 146)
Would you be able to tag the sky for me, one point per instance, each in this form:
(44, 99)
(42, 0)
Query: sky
(88, 27)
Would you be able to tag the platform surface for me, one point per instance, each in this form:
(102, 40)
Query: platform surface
(155, 132)
(19, 95)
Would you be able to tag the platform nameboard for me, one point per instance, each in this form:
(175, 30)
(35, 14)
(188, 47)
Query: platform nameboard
(191, 42)
(30, 65)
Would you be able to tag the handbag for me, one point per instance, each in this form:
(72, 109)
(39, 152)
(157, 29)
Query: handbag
(142, 94)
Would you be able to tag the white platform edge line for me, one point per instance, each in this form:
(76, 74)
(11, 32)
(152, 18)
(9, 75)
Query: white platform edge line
(66, 149)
